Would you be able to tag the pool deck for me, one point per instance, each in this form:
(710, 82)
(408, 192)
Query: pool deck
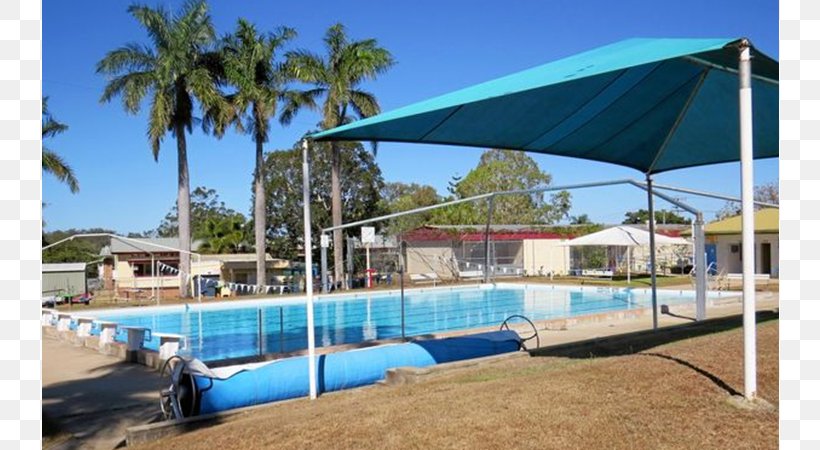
(96, 397)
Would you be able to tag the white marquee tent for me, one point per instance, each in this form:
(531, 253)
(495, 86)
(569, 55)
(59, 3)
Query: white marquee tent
(624, 236)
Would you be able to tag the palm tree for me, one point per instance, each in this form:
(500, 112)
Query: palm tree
(224, 234)
(52, 162)
(176, 69)
(337, 77)
(259, 83)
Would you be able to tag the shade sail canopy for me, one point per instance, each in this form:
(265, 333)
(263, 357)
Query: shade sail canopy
(650, 104)
(623, 236)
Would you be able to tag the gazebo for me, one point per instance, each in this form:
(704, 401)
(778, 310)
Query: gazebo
(650, 104)
(624, 236)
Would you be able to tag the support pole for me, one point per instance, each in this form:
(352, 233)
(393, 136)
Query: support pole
(402, 255)
(653, 269)
(700, 268)
(628, 265)
(153, 279)
(325, 241)
(490, 205)
(308, 269)
(350, 250)
(747, 220)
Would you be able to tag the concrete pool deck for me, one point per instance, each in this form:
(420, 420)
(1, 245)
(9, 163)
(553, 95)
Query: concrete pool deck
(96, 397)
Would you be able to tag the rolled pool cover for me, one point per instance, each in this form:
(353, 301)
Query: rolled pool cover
(235, 387)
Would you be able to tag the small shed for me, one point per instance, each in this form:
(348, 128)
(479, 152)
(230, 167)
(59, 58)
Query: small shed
(64, 279)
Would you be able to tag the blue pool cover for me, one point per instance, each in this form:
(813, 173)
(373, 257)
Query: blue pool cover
(286, 378)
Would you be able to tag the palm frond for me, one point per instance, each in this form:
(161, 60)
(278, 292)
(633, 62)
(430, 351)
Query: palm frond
(55, 165)
(131, 57)
(293, 101)
(307, 67)
(157, 22)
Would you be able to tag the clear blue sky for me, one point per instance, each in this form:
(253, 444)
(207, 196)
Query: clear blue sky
(439, 46)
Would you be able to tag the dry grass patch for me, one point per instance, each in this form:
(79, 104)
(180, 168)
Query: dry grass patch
(671, 396)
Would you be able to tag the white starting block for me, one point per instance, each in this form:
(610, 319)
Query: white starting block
(84, 326)
(47, 317)
(136, 337)
(108, 330)
(63, 321)
(170, 344)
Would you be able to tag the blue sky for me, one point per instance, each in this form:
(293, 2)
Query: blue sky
(439, 46)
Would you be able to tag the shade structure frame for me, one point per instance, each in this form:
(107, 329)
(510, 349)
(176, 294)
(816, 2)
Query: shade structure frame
(707, 115)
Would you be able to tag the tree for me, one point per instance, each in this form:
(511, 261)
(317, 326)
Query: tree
(52, 162)
(582, 219)
(505, 170)
(768, 193)
(77, 250)
(205, 206)
(662, 216)
(259, 83)
(224, 234)
(399, 197)
(337, 77)
(175, 70)
(360, 187)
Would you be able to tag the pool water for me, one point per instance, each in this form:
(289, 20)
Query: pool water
(230, 330)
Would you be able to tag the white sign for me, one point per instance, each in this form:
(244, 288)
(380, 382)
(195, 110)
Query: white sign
(325, 241)
(368, 235)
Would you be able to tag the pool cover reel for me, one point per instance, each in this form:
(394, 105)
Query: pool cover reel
(196, 389)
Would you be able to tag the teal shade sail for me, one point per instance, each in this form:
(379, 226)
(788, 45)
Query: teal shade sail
(650, 104)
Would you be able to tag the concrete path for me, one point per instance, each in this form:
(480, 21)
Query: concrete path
(680, 314)
(95, 397)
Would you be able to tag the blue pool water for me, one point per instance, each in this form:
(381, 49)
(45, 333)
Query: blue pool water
(226, 330)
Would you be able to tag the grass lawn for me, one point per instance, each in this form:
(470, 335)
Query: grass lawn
(674, 395)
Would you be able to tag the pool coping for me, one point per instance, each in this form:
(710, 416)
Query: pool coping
(321, 298)
(151, 358)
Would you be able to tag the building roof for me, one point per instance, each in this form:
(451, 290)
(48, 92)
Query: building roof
(476, 233)
(64, 267)
(766, 221)
(238, 257)
(147, 245)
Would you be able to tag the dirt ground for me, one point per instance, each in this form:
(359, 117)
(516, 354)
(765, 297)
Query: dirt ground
(674, 395)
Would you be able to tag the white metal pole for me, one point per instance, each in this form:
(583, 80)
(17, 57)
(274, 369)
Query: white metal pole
(325, 242)
(747, 220)
(628, 265)
(199, 279)
(367, 263)
(653, 271)
(308, 269)
(700, 268)
(153, 279)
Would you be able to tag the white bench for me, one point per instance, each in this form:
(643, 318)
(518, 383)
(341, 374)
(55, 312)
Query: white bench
(596, 273)
(471, 274)
(758, 277)
(430, 277)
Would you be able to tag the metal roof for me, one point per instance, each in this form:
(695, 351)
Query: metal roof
(766, 221)
(147, 245)
(63, 267)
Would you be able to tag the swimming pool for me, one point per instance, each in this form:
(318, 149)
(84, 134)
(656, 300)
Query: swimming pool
(223, 330)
